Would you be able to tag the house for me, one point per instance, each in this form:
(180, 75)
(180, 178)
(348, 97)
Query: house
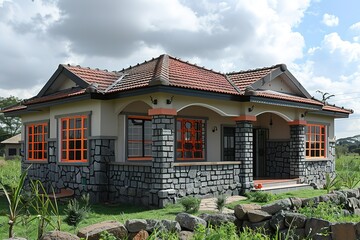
(12, 147)
(166, 128)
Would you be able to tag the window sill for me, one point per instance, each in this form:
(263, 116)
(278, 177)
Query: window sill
(37, 161)
(135, 163)
(317, 159)
(182, 164)
(136, 159)
(73, 164)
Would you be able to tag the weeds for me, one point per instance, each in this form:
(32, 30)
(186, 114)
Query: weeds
(76, 212)
(330, 183)
(220, 202)
(190, 204)
(260, 196)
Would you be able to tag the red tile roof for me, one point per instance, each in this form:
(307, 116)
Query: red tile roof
(167, 70)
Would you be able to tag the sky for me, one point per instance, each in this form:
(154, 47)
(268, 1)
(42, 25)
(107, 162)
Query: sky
(319, 40)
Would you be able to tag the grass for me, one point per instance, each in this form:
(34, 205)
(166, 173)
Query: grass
(307, 193)
(9, 171)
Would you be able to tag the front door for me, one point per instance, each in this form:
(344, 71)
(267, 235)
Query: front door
(260, 137)
(228, 144)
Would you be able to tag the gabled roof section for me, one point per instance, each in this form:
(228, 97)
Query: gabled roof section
(13, 140)
(72, 83)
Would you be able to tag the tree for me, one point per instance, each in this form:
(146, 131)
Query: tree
(9, 126)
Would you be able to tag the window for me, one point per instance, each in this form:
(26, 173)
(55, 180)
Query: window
(315, 141)
(139, 137)
(12, 152)
(74, 138)
(36, 141)
(190, 139)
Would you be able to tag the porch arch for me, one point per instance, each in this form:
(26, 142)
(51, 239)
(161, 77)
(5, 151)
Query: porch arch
(213, 108)
(282, 115)
(142, 105)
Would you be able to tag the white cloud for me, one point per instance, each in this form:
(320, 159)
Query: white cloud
(312, 50)
(330, 20)
(348, 51)
(355, 26)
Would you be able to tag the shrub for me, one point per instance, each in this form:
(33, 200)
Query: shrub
(190, 204)
(220, 202)
(330, 183)
(76, 212)
(350, 179)
(105, 235)
(260, 196)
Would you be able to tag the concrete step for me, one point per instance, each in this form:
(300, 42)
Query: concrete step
(285, 188)
(276, 183)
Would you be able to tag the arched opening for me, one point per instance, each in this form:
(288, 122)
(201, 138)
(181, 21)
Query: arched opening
(271, 146)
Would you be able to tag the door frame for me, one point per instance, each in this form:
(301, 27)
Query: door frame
(222, 126)
(256, 161)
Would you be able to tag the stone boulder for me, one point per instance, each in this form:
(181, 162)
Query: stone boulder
(152, 225)
(272, 208)
(135, 225)
(293, 234)
(58, 235)
(294, 220)
(295, 202)
(341, 196)
(317, 228)
(357, 230)
(310, 201)
(343, 231)
(218, 218)
(263, 226)
(277, 221)
(186, 235)
(170, 226)
(93, 232)
(242, 209)
(141, 235)
(352, 203)
(258, 216)
(188, 221)
(351, 193)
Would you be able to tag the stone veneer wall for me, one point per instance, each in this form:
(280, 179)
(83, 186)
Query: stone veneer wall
(278, 159)
(129, 183)
(205, 179)
(83, 178)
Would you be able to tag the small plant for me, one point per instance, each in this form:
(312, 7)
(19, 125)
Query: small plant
(260, 196)
(350, 180)
(190, 204)
(105, 235)
(330, 183)
(325, 210)
(76, 212)
(14, 201)
(220, 202)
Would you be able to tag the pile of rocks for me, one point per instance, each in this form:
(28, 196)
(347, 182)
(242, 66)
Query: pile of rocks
(280, 216)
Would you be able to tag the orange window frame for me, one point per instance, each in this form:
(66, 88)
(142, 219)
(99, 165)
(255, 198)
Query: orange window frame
(190, 140)
(74, 145)
(315, 141)
(142, 141)
(37, 144)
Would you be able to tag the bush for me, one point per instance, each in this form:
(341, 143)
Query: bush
(260, 196)
(220, 202)
(76, 212)
(190, 204)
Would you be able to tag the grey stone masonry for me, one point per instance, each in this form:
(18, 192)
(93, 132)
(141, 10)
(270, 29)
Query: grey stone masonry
(297, 151)
(91, 177)
(129, 183)
(162, 188)
(278, 159)
(207, 180)
(316, 171)
(244, 152)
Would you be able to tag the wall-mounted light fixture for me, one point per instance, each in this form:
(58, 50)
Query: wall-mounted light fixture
(214, 129)
(153, 100)
(250, 109)
(169, 101)
(304, 114)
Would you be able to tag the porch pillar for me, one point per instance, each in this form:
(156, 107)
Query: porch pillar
(244, 150)
(163, 130)
(297, 149)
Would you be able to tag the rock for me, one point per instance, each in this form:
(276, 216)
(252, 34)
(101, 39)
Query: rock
(242, 209)
(217, 219)
(135, 225)
(293, 234)
(357, 230)
(351, 193)
(151, 225)
(93, 232)
(58, 235)
(276, 206)
(295, 202)
(188, 221)
(317, 228)
(343, 231)
(141, 235)
(258, 216)
(263, 226)
(170, 226)
(186, 235)
(352, 203)
(295, 220)
(310, 201)
(278, 221)
(341, 196)
(334, 198)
